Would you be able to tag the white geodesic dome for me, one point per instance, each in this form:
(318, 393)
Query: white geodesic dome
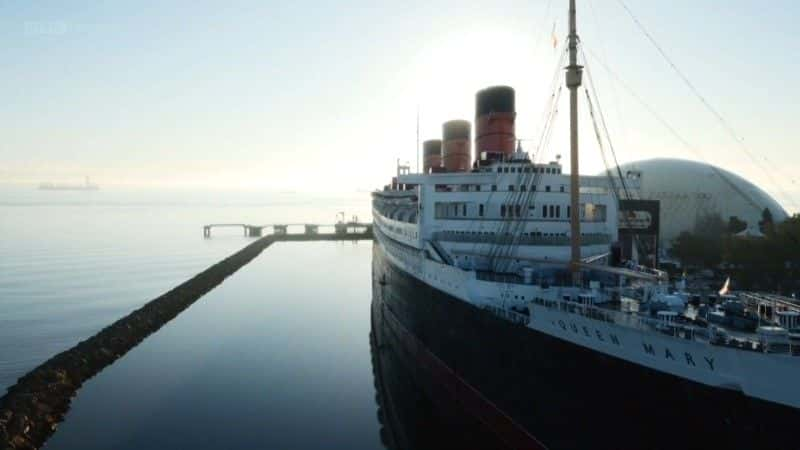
(688, 190)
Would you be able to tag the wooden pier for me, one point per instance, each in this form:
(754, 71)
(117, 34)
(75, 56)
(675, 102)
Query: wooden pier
(341, 231)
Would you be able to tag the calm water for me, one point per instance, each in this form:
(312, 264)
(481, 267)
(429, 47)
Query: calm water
(73, 262)
(277, 356)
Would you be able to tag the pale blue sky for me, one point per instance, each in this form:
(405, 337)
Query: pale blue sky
(315, 95)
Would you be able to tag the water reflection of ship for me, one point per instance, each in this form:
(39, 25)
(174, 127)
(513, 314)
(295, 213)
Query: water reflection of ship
(86, 186)
(409, 417)
(421, 402)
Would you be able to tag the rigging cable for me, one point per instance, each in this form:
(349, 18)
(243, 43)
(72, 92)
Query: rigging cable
(615, 192)
(501, 247)
(725, 125)
(677, 135)
(603, 123)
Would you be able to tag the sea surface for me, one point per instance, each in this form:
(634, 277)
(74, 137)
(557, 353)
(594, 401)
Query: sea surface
(277, 356)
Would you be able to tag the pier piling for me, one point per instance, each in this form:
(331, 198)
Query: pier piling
(253, 231)
(348, 231)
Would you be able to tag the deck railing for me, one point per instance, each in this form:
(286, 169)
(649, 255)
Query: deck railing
(507, 239)
(676, 329)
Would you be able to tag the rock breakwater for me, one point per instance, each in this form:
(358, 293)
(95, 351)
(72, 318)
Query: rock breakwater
(31, 410)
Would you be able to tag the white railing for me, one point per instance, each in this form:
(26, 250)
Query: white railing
(502, 239)
(507, 314)
(677, 330)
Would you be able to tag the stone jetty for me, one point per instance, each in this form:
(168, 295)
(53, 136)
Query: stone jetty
(31, 410)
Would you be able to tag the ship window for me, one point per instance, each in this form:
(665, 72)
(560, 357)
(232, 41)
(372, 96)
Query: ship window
(505, 169)
(527, 170)
(499, 169)
(464, 210)
(568, 208)
(480, 210)
(562, 188)
(511, 188)
(547, 188)
(552, 211)
(477, 188)
(494, 187)
(517, 210)
(522, 187)
(558, 210)
(502, 210)
(544, 211)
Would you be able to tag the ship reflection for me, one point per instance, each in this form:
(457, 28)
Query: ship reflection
(413, 411)
(422, 404)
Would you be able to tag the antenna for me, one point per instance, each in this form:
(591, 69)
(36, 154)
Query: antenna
(417, 147)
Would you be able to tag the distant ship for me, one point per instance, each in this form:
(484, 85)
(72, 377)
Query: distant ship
(499, 277)
(86, 186)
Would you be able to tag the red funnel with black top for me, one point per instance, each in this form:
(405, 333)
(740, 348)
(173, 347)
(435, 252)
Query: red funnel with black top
(456, 146)
(431, 155)
(494, 120)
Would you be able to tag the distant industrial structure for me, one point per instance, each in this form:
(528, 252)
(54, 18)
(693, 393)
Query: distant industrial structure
(690, 190)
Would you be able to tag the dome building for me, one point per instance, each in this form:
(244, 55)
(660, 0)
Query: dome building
(688, 190)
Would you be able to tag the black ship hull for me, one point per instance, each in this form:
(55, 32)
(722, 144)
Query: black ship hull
(413, 411)
(529, 388)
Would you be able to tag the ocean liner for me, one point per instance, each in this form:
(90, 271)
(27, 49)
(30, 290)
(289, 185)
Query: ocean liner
(500, 277)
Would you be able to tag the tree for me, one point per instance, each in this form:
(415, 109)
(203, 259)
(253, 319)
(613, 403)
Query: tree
(735, 225)
(766, 225)
(710, 226)
(694, 250)
(703, 247)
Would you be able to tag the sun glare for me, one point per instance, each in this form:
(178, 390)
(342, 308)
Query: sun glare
(455, 65)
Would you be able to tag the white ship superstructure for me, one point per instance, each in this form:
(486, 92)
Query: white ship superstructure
(513, 210)
(498, 232)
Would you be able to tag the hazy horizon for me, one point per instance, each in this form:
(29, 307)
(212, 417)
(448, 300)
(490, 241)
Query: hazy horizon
(319, 97)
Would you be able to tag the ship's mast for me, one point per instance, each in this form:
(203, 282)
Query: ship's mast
(574, 75)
